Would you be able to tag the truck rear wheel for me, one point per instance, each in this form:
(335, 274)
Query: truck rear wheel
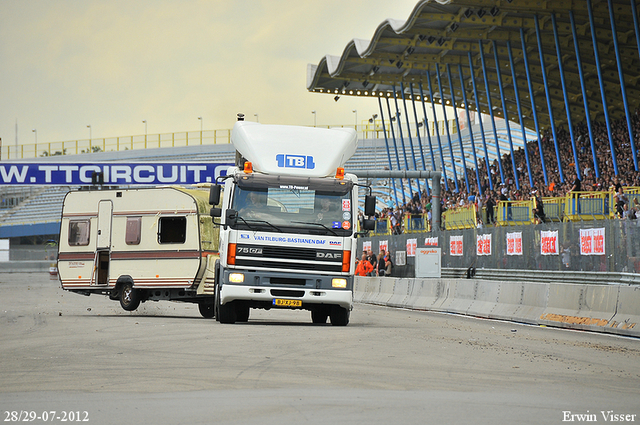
(129, 297)
(339, 316)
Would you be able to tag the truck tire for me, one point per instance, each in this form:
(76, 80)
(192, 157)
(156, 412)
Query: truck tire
(242, 313)
(339, 316)
(129, 297)
(206, 308)
(225, 313)
(216, 291)
(319, 316)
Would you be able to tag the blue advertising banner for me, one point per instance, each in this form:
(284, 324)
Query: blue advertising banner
(156, 173)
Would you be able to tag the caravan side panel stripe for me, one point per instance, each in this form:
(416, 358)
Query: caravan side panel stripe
(153, 255)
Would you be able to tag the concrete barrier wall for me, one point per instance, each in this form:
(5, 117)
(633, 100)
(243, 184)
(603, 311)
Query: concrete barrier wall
(25, 266)
(600, 308)
(626, 321)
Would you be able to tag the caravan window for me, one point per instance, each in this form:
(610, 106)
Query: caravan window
(133, 230)
(79, 232)
(172, 229)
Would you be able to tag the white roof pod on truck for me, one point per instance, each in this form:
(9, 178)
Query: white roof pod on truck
(292, 150)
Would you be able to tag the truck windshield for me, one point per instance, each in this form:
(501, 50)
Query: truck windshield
(318, 207)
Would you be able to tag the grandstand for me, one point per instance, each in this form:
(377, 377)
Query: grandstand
(33, 213)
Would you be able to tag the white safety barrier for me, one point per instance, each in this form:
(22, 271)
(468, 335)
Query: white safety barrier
(600, 308)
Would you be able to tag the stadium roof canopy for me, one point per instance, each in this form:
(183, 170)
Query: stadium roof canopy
(459, 35)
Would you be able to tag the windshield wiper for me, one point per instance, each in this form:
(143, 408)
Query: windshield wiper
(317, 224)
(260, 221)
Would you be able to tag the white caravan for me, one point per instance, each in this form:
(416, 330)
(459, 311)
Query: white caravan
(136, 245)
(288, 223)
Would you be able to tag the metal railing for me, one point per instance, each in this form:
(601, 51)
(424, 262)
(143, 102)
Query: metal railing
(460, 218)
(554, 209)
(575, 206)
(585, 206)
(515, 213)
(416, 223)
(114, 144)
(366, 130)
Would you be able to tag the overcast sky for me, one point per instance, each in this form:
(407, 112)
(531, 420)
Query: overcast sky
(66, 64)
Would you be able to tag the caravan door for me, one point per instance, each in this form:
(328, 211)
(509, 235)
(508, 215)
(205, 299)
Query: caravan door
(103, 244)
(105, 209)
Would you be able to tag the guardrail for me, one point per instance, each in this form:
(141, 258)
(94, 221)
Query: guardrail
(566, 277)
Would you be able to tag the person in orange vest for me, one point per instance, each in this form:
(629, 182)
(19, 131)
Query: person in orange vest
(552, 186)
(364, 267)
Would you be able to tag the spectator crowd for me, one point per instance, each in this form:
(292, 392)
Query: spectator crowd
(492, 189)
(374, 265)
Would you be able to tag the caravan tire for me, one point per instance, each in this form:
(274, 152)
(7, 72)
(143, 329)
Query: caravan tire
(206, 308)
(129, 297)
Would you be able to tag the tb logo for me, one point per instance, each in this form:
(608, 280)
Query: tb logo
(295, 161)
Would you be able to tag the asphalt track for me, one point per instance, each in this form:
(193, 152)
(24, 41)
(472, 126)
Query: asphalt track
(164, 364)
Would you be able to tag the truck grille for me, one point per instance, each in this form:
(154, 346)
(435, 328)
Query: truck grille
(289, 258)
(286, 293)
(287, 281)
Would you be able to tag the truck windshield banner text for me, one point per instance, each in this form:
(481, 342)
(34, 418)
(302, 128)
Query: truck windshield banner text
(184, 173)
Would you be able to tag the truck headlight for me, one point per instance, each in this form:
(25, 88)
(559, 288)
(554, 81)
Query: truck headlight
(338, 283)
(236, 277)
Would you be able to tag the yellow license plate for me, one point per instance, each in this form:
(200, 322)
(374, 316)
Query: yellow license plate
(287, 303)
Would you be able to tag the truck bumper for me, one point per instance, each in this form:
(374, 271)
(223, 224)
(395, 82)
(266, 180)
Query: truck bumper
(231, 292)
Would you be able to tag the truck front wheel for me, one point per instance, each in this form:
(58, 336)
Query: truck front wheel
(242, 313)
(225, 313)
(319, 316)
(129, 297)
(339, 316)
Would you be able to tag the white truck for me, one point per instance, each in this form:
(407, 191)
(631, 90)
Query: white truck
(136, 245)
(288, 223)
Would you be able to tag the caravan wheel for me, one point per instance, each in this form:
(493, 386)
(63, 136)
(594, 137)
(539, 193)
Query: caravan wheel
(129, 297)
(206, 308)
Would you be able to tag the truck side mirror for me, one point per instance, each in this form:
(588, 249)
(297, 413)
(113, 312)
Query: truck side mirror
(368, 224)
(214, 194)
(369, 205)
(215, 212)
(231, 218)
